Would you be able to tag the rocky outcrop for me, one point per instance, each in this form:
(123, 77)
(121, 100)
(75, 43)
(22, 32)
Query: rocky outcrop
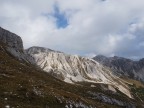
(69, 68)
(11, 39)
(123, 66)
(14, 45)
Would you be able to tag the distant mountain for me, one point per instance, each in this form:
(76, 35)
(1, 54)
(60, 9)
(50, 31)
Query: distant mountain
(24, 84)
(123, 66)
(73, 68)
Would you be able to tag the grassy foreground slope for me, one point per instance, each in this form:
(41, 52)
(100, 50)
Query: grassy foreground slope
(24, 86)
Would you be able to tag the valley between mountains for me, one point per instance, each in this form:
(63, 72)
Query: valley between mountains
(43, 78)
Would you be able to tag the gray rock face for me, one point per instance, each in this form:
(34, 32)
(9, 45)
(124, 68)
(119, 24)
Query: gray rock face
(36, 50)
(14, 46)
(11, 39)
(74, 68)
(123, 66)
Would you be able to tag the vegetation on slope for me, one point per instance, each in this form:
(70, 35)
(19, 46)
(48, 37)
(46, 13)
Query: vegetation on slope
(23, 85)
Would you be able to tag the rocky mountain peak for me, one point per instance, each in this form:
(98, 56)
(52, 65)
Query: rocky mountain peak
(100, 57)
(37, 50)
(74, 69)
(123, 66)
(11, 39)
(14, 46)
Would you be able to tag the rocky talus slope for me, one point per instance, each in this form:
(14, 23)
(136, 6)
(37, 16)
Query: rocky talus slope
(73, 68)
(24, 85)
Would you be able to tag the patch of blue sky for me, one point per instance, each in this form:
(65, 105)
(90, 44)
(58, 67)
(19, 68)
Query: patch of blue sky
(61, 19)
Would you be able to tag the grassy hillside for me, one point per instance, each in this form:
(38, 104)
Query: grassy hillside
(24, 86)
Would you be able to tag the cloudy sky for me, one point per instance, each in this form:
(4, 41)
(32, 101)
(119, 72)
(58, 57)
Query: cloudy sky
(84, 27)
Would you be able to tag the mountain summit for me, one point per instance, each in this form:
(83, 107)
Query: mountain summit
(11, 39)
(73, 68)
(43, 78)
(123, 66)
(14, 45)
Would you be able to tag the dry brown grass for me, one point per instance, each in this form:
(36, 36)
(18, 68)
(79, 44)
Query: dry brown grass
(18, 81)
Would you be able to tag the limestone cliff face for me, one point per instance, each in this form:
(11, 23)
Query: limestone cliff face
(14, 45)
(69, 68)
(11, 39)
(73, 68)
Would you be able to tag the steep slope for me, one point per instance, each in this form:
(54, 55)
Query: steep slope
(14, 45)
(22, 85)
(73, 68)
(123, 66)
(11, 39)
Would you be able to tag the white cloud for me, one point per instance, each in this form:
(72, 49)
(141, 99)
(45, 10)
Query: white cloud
(110, 27)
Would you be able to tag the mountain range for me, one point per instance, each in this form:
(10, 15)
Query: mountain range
(43, 78)
(123, 66)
